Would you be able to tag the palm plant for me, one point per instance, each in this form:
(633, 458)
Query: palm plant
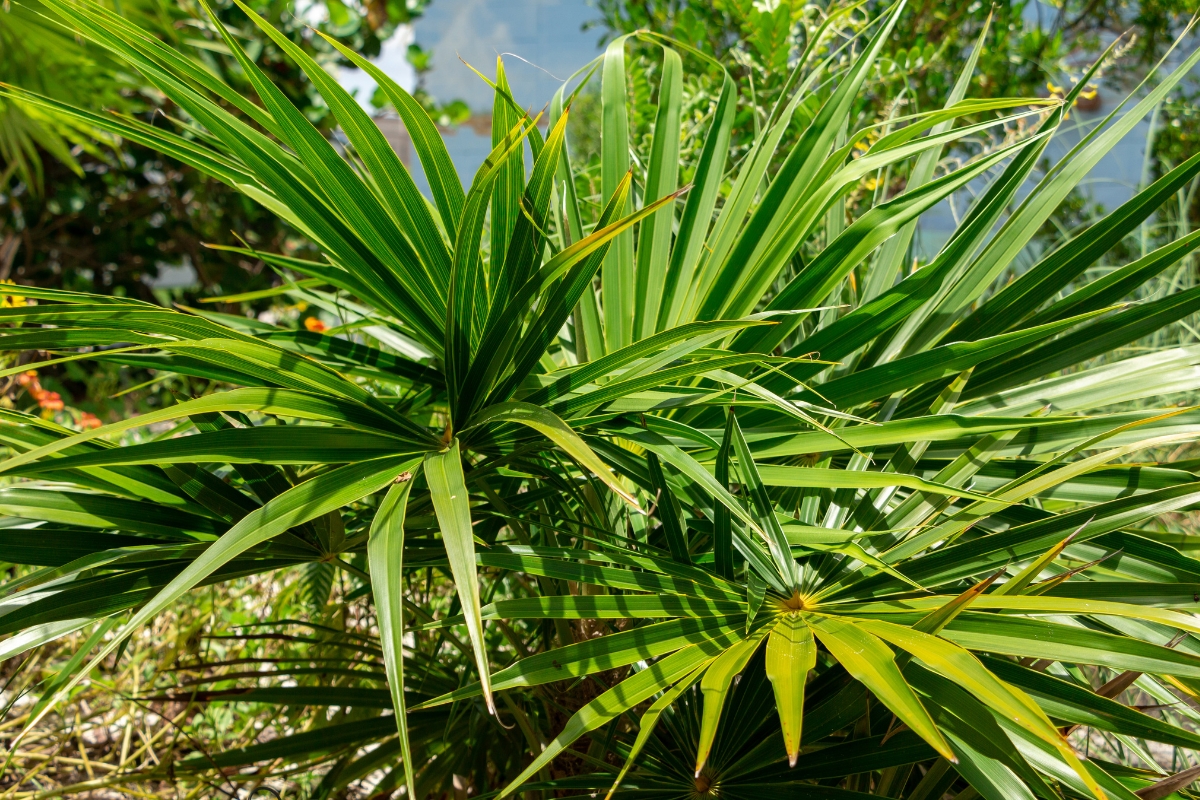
(706, 431)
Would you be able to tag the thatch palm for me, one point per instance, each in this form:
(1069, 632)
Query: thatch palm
(874, 492)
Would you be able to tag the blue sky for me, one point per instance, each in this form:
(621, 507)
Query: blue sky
(542, 42)
(545, 33)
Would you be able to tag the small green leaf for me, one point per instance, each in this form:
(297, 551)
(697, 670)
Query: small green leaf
(791, 653)
(385, 555)
(451, 502)
(715, 686)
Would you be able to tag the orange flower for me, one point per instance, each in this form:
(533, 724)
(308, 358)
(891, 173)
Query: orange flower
(51, 401)
(315, 325)
(87, 420)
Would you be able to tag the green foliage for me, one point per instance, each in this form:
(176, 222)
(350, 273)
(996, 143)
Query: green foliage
(595, 461)
(154, 211)
(42, 56)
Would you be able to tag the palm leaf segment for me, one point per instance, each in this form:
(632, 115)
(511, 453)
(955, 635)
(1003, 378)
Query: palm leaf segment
(843, 531)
